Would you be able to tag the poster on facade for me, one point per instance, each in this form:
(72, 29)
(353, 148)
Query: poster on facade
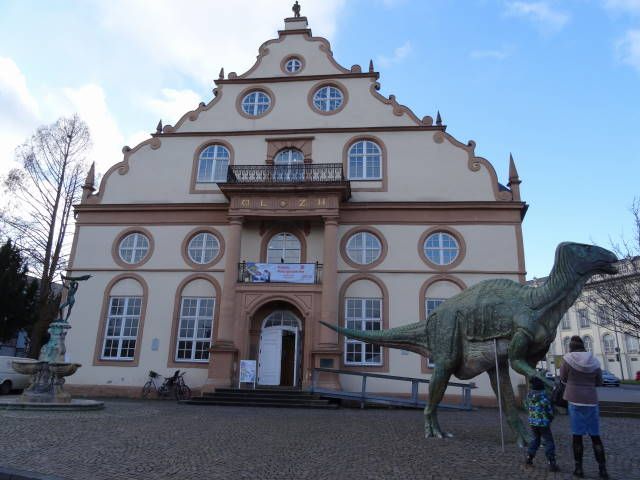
(247, 372)
(281, 272)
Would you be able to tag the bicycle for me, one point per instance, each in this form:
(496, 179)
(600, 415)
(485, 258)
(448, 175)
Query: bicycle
(174, 383)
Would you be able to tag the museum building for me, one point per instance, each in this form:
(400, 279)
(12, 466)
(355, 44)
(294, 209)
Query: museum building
(299, 193)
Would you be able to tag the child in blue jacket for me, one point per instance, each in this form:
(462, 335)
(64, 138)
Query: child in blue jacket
(540, 418)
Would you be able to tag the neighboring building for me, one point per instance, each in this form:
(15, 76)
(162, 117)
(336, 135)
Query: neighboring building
(617, 347)
(297, 168)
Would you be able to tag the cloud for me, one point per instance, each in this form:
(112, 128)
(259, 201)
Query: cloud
(497, 54)
(628, 49)
(19, 112)
(624, 6)
(399, 54)
(198, 37)
(173, 104)
(540, 13)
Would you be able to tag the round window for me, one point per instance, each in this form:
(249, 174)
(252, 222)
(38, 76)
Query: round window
(203, 248)
(364, 248)
(328, 98)
(441, 248)
(293, 65)
(133, 248)
(256, 103)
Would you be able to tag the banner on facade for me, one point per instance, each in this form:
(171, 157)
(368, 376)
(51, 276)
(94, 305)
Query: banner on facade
(247, 372)
(281, 272)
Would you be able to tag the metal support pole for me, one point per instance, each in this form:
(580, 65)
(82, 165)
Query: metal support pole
(495, 349)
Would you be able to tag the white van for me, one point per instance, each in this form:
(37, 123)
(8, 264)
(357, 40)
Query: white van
(9, 378)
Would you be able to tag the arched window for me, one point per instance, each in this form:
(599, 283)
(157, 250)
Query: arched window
(283, 247)
(123, 317)
(565, 344)
(365, 161)
(632, 343)
(608, 343)
(289, 164)
(213, 164)
(256, 103)
(133, 248)
(363, 314)
(588, 343)
(441, 248)
(364, 248)
(328, 98)
(195, 320)
(281, 318)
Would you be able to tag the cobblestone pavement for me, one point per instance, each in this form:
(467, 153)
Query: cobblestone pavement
(156, 440)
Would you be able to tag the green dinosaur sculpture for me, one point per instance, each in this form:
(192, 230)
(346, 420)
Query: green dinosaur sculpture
(459, 335)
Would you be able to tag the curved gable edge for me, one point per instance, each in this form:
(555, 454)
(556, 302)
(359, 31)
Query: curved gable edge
(399, 109)
(121, 167)
(475, 163)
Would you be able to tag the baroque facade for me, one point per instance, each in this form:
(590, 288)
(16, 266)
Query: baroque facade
(299, 193)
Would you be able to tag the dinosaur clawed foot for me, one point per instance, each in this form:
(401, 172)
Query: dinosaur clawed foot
(433, 431)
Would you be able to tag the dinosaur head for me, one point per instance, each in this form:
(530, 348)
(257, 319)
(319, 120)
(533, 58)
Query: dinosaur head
(588, 259)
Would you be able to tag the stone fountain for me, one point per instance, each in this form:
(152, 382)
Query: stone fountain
(46, 390)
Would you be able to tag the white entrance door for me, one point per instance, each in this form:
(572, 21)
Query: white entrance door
(270, 356)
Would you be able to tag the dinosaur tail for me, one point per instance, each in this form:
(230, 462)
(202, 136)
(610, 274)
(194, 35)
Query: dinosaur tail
(411, 337)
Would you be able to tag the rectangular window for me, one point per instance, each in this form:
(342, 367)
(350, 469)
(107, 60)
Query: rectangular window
(194, 330)
(122, 328)
(566, 323)
(603, 316)
(363, 314)
(583, 318)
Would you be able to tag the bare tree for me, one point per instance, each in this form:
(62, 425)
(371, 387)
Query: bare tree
(45, 189)
(615, 300)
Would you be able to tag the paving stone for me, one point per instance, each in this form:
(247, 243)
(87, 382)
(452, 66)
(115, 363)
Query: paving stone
(157, 440)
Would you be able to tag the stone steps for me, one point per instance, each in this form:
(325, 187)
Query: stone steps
(263, 397)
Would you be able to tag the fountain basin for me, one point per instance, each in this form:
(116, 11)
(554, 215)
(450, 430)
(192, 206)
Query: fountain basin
(63, 369)
(27, 367)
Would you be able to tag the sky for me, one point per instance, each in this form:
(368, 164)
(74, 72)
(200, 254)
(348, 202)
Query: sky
(555, 83)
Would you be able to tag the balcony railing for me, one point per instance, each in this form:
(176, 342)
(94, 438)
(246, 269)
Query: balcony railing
(325, 173)
(304, 273)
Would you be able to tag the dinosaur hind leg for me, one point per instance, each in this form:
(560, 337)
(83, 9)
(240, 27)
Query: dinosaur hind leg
(437, 387)
(509, 403)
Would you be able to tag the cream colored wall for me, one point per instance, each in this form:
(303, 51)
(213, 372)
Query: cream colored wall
(317, 62)
(489, 247)
(419, 169)
(96, 241)
(81, 340)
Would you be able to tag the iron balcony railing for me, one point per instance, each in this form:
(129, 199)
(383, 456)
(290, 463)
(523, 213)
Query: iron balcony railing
(304, 173)
(247, 273)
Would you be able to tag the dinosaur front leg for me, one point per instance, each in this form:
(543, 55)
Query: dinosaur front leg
(509, 403)
(437, 387)
(518, 350)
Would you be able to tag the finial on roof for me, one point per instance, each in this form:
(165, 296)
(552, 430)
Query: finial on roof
(438, 119)
(513, 172)
(159, 127)
(514, 179)
(89, 184)
(370, 66)
(221, 74)
(296, 9)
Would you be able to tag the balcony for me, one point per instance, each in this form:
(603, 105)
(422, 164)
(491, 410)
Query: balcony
(301, 273)
(322, 173)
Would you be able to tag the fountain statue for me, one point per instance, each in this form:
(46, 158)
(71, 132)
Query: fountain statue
(48, 373)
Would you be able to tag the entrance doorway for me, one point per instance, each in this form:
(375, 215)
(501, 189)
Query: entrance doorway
(279, 357)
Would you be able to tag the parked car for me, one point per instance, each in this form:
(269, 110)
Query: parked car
(9, 378)
(610, 380)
